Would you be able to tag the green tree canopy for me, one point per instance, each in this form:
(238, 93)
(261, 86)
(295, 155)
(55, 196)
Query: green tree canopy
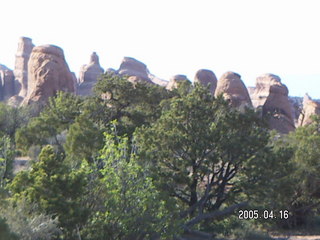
(196, 150)
(57, 116)
(132, 105)
(56, 189)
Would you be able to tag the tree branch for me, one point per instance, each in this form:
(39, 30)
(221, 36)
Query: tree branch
(215, 214)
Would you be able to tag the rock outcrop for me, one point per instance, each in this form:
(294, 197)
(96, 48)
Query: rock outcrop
(136, 71)
(6, 83)
(89, 75)
(133, 68)
(232, 88)
(157, 80)
(25, 47)
(90, 72)
(48, 73)
(176, 80)
(272, 96)
(310, 108)
(111, 71)
(206, 77)
(296, 106)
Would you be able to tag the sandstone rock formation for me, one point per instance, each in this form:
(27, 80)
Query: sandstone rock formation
(251, 91)
(272, 96)
(157, 80)
(175, 81)
(48, 73)
(297, 107)
(25, 47)
(136, 71)
(6, 83)
(132, 67)
(111, 71)
(206, 77)
(310, 108)
(90, 72)
(89, 75)
(232, 88)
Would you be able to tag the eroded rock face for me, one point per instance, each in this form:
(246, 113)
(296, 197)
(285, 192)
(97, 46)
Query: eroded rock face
(310, 108)
(175, 81)
(206, 77)
(48, 73)
(25, 47)
(132, 67)
(89, 75)
(272, 96)
(232, 88)
(6, 83)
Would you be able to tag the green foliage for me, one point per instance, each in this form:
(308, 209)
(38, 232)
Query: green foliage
(56, 117)
(8, 119)
(132, 105)
(270, 170)
(5, 233)
(134, 209)
(184, 87)
(197, 148)
(180, 151)
(6, 160)
(27, 224)
(289, 176)
(11, 119)
(55, 189)
(306, 158)
(84, 140)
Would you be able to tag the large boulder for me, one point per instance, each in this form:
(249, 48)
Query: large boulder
(310, 107)
(176, 80)
(89, 75)
(206, 78)
(133, 68)
(136, 71)
(25, 47)
(6, 83)
(272, 96)
(48, 73)
(232, 88)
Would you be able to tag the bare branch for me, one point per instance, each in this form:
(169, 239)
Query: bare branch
(215, 214)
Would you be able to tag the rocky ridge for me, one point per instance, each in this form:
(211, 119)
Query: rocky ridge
(41, 71)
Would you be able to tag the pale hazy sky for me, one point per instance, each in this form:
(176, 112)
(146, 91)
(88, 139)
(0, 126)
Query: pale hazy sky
(250, 37)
